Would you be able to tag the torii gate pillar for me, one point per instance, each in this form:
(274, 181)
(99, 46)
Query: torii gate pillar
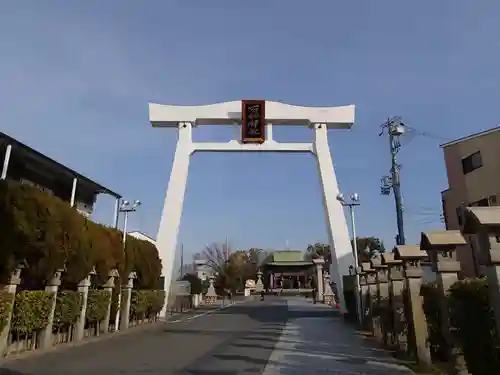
(184, 118)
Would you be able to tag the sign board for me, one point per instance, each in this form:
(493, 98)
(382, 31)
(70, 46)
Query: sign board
(181, 288)
(253, 126)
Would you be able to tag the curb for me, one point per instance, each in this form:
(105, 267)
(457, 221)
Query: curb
(75, 344)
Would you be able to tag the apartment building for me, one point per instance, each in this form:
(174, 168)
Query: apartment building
(473, 170)
(28, 166)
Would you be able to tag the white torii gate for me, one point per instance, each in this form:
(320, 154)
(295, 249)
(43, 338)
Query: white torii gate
(320, 119)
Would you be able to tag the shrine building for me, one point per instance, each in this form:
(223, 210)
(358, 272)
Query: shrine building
(289, 270)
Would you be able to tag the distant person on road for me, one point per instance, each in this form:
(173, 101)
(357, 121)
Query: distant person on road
(262, 295)
(230, 296)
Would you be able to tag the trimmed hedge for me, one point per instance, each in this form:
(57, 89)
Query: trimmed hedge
(431, 297)
(46, 232)
(146, 303)
(68, 308)
(5, 308)
(473, 319)
(472, 322)
(138, 305)
(157, 301)
(31, 311)
(97, 305)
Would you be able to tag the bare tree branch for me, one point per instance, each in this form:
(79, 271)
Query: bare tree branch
(217, 256)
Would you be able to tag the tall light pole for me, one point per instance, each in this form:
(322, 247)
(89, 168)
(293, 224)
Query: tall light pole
(351, 203)
(126, 207)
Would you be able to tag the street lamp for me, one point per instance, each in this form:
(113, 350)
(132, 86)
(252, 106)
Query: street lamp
(351, 203)
(126, 207)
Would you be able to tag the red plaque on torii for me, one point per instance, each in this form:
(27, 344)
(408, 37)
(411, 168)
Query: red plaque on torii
(253, 125)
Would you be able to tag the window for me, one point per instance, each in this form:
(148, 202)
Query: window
(472, 162)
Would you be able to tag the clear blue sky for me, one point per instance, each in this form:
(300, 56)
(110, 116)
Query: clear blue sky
(76, 77)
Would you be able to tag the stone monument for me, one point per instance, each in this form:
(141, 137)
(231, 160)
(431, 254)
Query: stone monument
(259, 286)
(211, 296)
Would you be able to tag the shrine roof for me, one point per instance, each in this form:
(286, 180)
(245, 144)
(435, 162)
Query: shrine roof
(289, 258)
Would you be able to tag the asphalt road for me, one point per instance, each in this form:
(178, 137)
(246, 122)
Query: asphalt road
(237, 340)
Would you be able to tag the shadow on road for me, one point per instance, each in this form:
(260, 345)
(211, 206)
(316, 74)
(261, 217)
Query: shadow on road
(262, 323)
(242, 339)
(6, 371)
(308, 340)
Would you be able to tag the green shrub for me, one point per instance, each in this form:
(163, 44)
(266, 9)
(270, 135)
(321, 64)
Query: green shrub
(146, 303)
(31, 311)
(156, 302)
(139, 304)
(97, 305)
(5, 308)
(68, 308)
(431, 299)
(473, 319)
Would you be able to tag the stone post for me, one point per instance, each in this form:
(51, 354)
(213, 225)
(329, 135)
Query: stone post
(363, 291)
(127, 296)
(328, 296)
(83, 289)
(45, 340)
(484, 222)
(382, 298)
(319, 276)
(199, 264)
(211, 296)
(259, 286)
(11, 287)
(109, 286)
(368, 293)
(440, 246)
(412, 256)
(396, 286)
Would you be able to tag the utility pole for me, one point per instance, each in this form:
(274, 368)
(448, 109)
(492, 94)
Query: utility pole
(395, 129)
(227, 249)
(182, 261)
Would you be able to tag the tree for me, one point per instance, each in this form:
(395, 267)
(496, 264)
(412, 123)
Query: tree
(367, 246)
(319, 250)
(216, 255)
(233, 268)
(225, 266)
(195, 282)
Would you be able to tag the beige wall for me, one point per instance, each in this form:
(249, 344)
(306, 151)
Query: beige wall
(478, 184)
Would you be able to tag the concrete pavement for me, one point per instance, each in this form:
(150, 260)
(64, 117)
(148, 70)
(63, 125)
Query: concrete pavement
(278, 336)
(314, 341)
